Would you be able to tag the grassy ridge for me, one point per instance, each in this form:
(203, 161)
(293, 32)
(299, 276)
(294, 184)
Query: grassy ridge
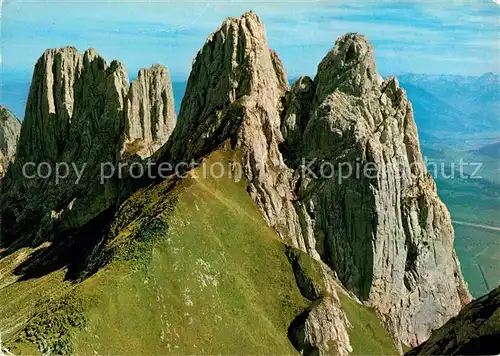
(196, 271)
(219, 281)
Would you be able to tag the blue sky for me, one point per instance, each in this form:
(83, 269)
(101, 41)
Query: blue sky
(418, 37)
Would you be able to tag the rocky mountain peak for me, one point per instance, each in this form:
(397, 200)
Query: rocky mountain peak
(68, 93)
(378, 232)
(235, 91)
(234, 69)
(348, 67)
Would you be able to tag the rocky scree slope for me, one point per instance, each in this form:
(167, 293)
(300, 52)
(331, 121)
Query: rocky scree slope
(389, 238)
(9, 136)
(83, 112)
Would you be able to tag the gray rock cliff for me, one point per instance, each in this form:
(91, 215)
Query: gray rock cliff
(150, 111)
(386, 232)
(9, 136)
(74, 115)
(389, 237)
(81, 112)
(235, 92)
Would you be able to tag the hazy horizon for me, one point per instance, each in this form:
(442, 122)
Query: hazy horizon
(417, 37)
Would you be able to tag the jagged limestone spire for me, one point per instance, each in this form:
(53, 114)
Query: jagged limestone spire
(81, 111)
(9, 136)
(150, 111)
(387, 234)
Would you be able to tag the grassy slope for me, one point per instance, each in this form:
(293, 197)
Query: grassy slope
(367, 336)
(217, 282)
(18, 299)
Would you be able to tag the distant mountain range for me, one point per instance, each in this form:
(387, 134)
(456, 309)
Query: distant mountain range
(454, 105)
(491, 150)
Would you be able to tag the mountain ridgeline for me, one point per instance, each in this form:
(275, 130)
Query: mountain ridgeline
(382, 241)
(454, 106)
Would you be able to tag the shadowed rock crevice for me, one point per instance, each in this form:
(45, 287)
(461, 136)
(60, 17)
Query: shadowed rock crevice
(297, 104)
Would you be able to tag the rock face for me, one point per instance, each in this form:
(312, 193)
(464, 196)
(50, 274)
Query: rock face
(9, 136)
(369, 204)
(386, 233)
(150, 111)
(74, 115)
(474, 331)
(296, 116)
(79, 114)
(334, 165)
(321, 329)
(367, 200)
(235, 92)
